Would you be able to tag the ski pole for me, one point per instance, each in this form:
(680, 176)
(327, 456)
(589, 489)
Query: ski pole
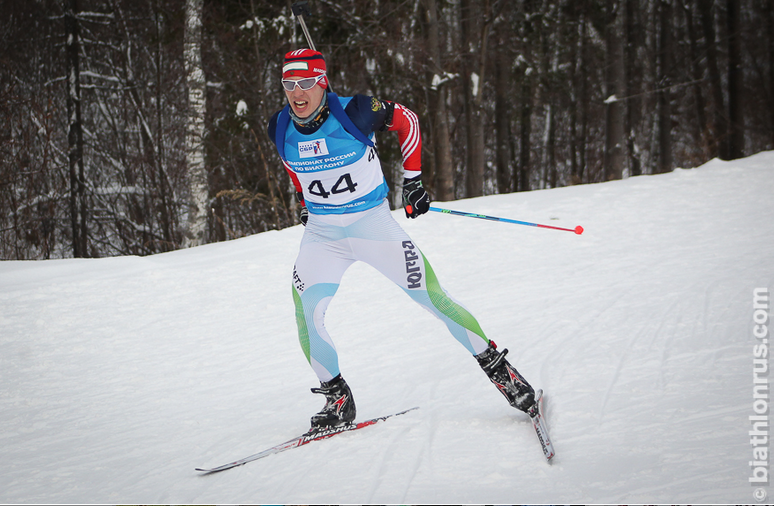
(578, 230)
(301, 9)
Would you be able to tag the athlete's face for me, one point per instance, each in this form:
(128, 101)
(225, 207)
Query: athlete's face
(303, 102)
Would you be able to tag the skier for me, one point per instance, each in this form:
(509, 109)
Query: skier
(327, 146)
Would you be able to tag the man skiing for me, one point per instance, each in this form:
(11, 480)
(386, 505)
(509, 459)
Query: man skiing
(327, 146)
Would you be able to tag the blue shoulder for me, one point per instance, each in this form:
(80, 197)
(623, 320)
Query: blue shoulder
(367, 113)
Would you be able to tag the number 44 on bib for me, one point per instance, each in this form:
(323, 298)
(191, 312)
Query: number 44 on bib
(343, 185)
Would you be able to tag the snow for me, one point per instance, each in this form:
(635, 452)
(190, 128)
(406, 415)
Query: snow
(119, 376)
(438, 80)
(241, 108)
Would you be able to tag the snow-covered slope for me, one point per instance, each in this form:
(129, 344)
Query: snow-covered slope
(119, 376)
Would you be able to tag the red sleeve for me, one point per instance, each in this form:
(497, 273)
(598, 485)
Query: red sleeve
(293, 177)
(406, 123)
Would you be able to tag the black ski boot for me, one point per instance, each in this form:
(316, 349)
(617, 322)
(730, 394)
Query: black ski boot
(506, 378)
(339, 406)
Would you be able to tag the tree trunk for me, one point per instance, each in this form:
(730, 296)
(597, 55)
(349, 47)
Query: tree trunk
(194, 139)
(473, 39)
(573, 107)
(614, 82)
(525, 154)
(549, 57)
(700, 125)
(632, 104)
(503, 108)
(444, 167)
(503, 122)
(526, 99)
(166, 222)
(719, 143)
(735, 82)
(665, 65)
(78, 208)
(580, 132)
(443, 184)
(768, 11)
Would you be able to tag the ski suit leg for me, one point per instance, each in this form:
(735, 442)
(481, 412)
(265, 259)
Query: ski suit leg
(321, 262)
(331, 244)
(398, 258)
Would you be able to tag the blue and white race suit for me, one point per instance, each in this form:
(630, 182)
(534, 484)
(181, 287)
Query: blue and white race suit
(349, 221)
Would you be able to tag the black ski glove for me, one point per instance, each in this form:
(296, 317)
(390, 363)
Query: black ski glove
(416, 201)
(303, 215)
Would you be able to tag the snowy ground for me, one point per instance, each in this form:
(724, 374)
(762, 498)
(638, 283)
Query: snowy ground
(119, 376)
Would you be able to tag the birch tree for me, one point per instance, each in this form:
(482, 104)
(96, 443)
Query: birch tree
(194, 145)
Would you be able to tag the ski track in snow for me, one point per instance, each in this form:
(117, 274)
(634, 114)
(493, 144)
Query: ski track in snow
(118, 376)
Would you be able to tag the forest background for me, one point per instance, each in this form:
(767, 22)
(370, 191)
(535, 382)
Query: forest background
(132, 127)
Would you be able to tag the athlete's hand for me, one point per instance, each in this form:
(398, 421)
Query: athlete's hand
(303, 215)
(416, 201)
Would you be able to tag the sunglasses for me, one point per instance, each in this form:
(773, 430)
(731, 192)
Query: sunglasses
(305, 84)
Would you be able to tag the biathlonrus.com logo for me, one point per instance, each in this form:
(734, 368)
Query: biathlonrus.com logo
(310, 149)
(760, 434)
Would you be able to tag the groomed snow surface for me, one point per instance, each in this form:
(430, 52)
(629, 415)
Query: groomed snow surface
(119, 376)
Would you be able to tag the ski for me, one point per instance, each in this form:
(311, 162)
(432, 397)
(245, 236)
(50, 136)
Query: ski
(302, 440)
(539, 423)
